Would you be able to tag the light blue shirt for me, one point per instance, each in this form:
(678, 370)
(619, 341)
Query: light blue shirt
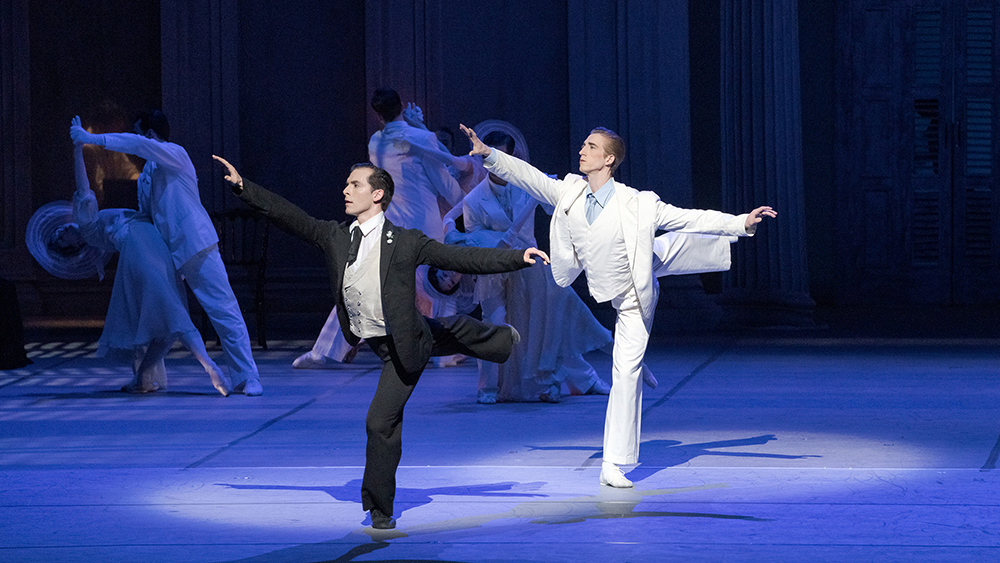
(596, 201)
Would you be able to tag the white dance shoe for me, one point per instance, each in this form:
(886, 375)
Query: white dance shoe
(552, 394)
(138, 388)
(309, 360)
(250, 388)
(612, 476)
(598, 388)
(220, 382)
(484, 397)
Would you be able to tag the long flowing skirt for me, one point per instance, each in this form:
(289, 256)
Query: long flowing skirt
(147, 300)
(554, 323)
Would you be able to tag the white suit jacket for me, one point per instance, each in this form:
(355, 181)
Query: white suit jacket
(168, 193)
(641, 214)
(482, 212)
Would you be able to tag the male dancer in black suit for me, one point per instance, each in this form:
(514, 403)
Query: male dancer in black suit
(372, 267)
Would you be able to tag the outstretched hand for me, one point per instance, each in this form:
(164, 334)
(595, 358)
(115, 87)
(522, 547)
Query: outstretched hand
(414, 116)
(79, 134)
(756, 216)
(232, 176)
(75, 123)
(530, 252)
(478, 147)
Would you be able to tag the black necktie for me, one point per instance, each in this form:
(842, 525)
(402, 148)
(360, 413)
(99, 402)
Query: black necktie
(352, 254)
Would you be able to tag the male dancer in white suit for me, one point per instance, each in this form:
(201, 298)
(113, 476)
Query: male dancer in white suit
(609, 229)
(556, 325)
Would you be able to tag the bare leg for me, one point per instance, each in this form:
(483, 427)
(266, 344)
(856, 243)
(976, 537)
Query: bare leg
(193, 342)
(136, 386)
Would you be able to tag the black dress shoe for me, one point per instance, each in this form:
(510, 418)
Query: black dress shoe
(381, 521)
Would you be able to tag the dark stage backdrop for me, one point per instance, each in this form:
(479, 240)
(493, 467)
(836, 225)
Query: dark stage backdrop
(282, 91)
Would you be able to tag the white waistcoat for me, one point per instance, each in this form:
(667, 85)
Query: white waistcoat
(363, 296)
(601, 249)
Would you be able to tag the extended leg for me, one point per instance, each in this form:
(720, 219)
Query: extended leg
(150, 373)
(193, 342)
(580, 377)
(207, 277)
(330, 345)
(494, 312)
(462, 334)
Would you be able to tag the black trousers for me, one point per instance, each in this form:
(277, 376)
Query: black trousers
(459, 334)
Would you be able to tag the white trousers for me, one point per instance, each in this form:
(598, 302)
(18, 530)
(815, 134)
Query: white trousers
(206, 275)
(623, 420)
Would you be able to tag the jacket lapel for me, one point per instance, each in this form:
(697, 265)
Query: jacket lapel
(628, 205)
(492, 208)
(387, 248)
(342, 247)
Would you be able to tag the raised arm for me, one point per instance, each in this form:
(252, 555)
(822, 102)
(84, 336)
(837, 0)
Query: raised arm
(530, 179)
(165, 154)
(80, 167)
(84, 202)
(437, 155)
(442, 182)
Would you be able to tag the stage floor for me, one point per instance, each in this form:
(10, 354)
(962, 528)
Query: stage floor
(768, 447)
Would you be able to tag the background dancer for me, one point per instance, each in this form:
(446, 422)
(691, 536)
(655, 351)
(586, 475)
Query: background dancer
(168, 192)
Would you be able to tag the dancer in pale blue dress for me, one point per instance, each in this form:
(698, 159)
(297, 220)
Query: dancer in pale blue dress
(148, 309)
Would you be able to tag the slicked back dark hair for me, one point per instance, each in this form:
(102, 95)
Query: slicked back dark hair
(386, 103)
(156, 120)
(499, 139)
(378, 180)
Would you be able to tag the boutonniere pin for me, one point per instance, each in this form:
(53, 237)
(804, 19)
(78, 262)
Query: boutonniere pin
(388, 237)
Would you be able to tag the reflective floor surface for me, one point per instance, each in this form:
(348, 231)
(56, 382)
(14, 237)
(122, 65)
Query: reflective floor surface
(754, 448)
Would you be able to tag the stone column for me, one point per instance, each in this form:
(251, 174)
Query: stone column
(762, 161)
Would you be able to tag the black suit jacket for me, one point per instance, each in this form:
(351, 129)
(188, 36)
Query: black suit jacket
(402, 251)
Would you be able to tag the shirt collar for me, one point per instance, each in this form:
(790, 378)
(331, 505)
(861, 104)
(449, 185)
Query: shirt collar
(497, 188)
(368, 226)
(605, 193)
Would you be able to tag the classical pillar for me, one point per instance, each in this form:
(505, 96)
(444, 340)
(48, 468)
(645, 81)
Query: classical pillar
(762, 161)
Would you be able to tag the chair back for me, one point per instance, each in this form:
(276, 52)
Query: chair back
(243, 235)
